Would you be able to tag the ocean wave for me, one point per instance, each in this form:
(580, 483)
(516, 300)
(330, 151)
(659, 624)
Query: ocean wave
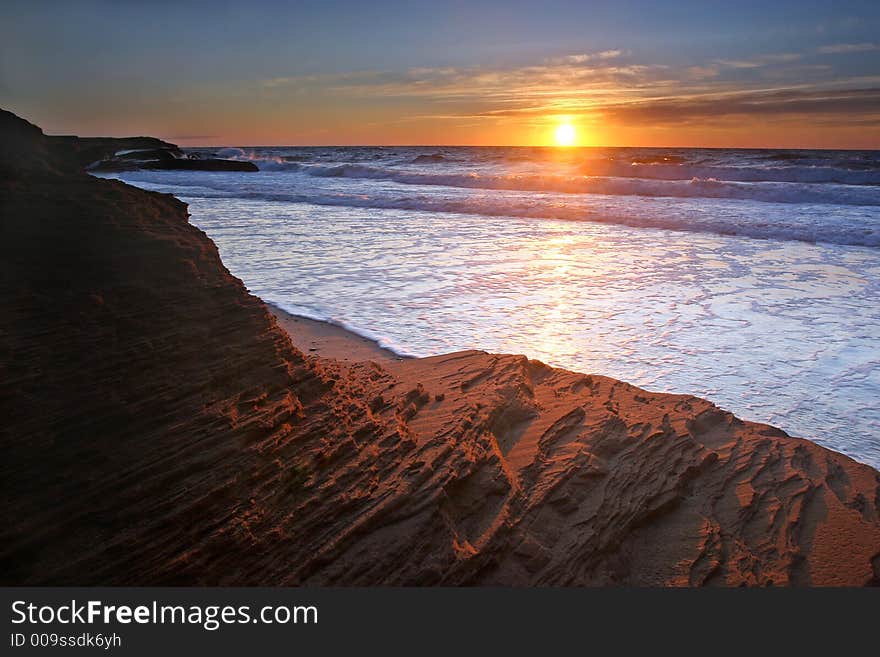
(658, 159)
(769, 192)
(843, 168)
(263, 161)
(803, 173)
(786, 156)
(431, 158)
(812, 228)
(806, 224)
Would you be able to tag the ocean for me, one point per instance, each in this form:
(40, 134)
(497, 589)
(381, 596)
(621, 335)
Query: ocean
(748, 277)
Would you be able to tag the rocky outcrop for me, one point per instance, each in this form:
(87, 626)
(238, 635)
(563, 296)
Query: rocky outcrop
(105, 151)
(160, 428)
(162, 159)
(25, 147)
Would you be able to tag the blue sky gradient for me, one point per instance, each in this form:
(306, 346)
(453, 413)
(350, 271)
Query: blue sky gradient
(625, 73)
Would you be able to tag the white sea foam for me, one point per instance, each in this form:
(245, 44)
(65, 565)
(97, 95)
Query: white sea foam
(779, 332)
(748, 217)
(636, 263)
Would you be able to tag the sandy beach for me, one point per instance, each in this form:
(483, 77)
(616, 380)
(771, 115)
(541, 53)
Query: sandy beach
(329, 340)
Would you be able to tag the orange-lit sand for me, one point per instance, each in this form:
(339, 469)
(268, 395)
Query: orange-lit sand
(535, 475)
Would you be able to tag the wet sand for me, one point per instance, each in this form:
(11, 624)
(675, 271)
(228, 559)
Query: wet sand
(328, 340)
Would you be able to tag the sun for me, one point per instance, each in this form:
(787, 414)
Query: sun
(566, 135)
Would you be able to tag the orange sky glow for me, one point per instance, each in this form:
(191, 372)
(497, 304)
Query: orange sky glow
(344, 73)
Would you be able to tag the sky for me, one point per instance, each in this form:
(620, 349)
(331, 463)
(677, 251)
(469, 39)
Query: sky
(745, 74)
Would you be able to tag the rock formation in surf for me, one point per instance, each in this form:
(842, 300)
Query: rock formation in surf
(109, 154)
(160, 428)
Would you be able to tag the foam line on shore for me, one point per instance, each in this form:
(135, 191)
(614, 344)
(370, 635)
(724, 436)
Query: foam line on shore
(294, 311)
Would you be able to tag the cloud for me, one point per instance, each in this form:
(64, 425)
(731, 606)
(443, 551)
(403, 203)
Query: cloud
(602, 77)
(780, 57)
(323, 79)
(759, 61)
(703, 72)
(739, 63)
(191, 137)
(843, 48)
(601, 86)
(861, 103)
(583, 58)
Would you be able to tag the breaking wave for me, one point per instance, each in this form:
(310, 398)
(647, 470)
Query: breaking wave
(809, 223)
(770, 192)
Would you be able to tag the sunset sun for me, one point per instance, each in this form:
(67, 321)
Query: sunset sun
(565, 135)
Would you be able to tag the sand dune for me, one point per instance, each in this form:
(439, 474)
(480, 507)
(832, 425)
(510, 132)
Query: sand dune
(160, 427)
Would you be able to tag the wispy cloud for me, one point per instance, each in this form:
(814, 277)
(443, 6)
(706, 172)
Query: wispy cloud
(602, 76)
(192, 137)
(844, 48)
(739, 63)
(781, 57)
(583, 58)
(703, 72)
(610, 86)
(863, 103)
(324, 79)
(759, 61)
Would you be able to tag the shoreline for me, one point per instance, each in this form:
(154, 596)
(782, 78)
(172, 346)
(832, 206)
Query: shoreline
(325, 339)
(328, 340)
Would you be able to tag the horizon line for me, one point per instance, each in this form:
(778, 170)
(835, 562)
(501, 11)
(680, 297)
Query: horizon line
(544, 146)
